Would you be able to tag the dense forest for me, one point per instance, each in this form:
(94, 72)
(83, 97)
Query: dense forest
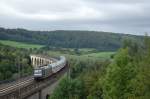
(103, 41)
(14, 63)
(126, 76)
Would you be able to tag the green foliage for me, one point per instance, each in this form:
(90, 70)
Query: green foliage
(119, 74)
(126, 77)
(69, 89)
(93, 86)
(84, 81)
(141, 83)
(11, 59)
(77, 68)
(103, 41)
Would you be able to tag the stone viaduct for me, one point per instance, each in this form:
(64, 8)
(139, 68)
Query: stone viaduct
(41, 60)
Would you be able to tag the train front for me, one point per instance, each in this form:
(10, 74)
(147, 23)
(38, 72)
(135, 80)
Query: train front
(37, 73)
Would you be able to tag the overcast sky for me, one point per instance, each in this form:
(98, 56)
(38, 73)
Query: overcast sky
(122, 16)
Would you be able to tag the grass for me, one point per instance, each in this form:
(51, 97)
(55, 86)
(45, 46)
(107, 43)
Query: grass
(20, 44)
(100, 54)
(85, 53)
(96, 55)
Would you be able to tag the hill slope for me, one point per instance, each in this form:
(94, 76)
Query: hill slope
(68, 39)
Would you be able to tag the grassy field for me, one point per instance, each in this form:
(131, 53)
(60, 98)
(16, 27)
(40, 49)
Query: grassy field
(100, 54)
(19, 44)
(84, 53)
(97, 55)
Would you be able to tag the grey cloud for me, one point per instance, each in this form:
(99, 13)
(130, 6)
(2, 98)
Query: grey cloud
(125, 16)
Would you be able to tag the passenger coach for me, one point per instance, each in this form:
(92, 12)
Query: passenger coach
(45, 71)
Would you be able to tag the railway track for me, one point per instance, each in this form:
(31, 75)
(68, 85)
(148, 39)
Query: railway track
(4, 85)
(16, 85)
(27, 86)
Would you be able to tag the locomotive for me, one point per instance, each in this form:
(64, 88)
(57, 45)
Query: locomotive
(45, 71)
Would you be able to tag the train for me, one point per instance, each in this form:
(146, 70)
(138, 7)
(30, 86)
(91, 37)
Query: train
(42, 72)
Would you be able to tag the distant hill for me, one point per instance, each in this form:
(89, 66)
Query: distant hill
(104, 41)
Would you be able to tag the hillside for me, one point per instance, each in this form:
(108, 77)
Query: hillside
(68, 39)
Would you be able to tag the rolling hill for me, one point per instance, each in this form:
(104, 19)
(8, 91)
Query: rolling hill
(103, 41)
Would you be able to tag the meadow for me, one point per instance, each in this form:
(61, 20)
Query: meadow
(20, 44)
(82, 53)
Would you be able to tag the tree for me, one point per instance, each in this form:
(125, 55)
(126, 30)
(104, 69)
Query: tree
(119, 75)
(9, 62)
(141, 83)
(68, 89)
